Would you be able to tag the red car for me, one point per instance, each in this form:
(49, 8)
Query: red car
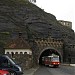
(4, 72)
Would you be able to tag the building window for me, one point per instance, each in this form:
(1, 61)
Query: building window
(21, 52)
(16, 52)
(12, 54)
(64, 23)
(25, 52)
(7, 53)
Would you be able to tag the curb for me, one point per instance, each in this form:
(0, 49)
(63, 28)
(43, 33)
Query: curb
(68, 64)
(30, 71)
(72, 64)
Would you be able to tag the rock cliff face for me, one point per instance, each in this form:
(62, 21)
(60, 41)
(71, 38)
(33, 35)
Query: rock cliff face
(22, 16)
(18, 15)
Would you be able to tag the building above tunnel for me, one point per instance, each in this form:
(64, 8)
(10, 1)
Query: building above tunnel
(66, 23)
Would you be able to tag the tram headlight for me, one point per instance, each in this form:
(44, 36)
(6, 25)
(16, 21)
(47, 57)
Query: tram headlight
(53, 63)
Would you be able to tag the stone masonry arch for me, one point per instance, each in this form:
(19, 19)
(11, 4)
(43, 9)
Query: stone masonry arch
(46, 51)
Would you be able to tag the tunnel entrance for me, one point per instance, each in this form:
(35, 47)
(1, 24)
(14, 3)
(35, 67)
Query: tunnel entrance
(48, 52)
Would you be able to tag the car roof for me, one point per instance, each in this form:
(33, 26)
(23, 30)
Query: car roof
(5, 57)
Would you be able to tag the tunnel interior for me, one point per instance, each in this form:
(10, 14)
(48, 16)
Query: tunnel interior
(48, 52)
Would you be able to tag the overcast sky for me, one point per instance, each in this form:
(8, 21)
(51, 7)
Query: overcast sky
(62, 9)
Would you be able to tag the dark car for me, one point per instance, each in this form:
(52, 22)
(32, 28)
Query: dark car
(8, 64)
(4, 72)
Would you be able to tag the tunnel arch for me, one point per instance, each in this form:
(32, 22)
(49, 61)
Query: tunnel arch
(46, 52)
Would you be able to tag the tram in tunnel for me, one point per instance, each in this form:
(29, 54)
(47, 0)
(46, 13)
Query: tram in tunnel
(48, 52)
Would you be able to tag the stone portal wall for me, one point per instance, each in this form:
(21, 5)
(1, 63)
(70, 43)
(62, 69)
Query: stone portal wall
(24, 60)
(50, 42)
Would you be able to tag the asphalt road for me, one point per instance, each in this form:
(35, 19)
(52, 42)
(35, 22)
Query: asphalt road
(62, 70)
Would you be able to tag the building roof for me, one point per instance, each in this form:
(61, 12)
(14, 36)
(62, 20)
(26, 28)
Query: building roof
(18, 43)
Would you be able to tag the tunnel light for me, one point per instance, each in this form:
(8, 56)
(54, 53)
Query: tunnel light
(50, 56)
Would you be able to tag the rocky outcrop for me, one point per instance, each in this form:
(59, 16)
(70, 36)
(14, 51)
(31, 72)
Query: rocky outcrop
(21, 16)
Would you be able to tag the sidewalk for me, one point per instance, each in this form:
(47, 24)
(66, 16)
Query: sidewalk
(30, 71)
(68, 64)
(72, 64)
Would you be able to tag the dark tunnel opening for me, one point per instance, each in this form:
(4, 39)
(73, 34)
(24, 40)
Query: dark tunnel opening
(47, 53)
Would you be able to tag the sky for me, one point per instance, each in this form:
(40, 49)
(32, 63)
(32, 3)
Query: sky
(62, 9)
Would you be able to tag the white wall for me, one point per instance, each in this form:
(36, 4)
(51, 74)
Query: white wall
(18, 50)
